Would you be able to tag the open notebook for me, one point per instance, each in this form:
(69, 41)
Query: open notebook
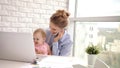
(17, 46)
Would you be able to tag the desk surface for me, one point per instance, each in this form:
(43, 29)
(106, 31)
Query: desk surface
(46, 62)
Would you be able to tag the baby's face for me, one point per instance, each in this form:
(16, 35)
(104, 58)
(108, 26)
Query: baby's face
(38, 39)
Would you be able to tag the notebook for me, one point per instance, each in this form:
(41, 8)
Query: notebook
(17, 46)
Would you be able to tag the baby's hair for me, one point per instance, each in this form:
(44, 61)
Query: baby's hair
(41, 31)
(60, 18)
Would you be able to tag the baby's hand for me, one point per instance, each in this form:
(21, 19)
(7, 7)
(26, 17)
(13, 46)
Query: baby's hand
(39, 52)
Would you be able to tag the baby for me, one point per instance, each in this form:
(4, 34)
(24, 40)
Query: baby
(39, 38)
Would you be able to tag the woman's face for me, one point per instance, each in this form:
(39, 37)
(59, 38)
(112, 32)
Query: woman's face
(54, 29)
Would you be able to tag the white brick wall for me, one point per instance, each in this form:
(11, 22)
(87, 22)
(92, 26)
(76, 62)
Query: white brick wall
(27, 15)
(9, 19)
(0, 18)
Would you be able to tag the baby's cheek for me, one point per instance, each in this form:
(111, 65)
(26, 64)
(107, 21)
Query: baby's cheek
(40, 42)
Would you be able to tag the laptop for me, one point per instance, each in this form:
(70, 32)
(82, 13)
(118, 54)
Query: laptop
(17, 46)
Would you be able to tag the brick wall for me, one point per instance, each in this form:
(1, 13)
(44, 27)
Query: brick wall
(27, 15)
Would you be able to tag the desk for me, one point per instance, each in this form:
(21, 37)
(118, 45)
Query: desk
(44, 62)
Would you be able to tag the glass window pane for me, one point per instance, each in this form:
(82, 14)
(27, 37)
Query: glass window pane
(106, 34)
(91, 8)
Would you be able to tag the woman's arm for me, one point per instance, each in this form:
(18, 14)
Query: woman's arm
(55, 50)
(66, 48)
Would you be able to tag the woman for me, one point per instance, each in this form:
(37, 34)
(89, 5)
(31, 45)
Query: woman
(57, 37)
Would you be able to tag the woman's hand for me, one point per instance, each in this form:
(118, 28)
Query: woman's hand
(59, 36)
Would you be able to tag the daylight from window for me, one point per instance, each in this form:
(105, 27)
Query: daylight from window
(105, 34)
(88, 8)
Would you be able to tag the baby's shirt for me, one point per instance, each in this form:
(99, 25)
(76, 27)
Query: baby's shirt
(42, 49)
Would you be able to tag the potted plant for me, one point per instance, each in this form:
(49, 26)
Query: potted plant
(92, 51)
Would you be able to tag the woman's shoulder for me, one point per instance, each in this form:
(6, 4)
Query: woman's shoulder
(66, 37)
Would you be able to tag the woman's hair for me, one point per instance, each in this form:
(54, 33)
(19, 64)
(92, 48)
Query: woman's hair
(60, 18)
(40, 31)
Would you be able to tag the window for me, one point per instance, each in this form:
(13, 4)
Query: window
(96, 21)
